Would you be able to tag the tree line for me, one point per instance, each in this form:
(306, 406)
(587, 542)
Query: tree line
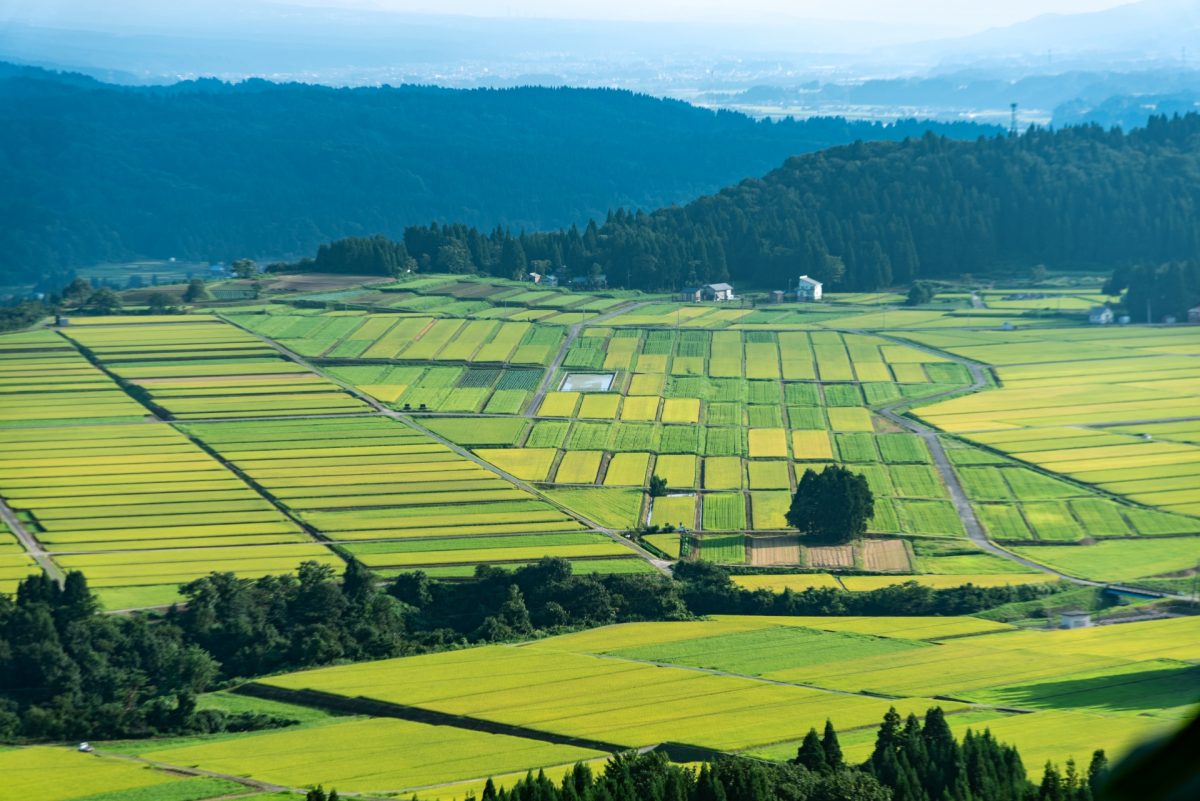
(707, 589)
(69, 671)
(912, 760)
(1153, 292)
(875, 214)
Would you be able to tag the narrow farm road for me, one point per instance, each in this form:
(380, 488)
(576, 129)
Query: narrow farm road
(30, 543)
(958, 496)
(251, 785)
(409, 420)
(561, 356)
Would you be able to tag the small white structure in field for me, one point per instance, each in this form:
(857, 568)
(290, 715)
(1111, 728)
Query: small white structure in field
(1100, 315)
(86, 748)
(1075, 619)
(808, 288)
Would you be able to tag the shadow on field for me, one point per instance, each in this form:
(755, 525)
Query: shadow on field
(1161, 685)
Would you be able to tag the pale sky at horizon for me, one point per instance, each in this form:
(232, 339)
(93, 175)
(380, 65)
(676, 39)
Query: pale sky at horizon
(918, 12)
(962, 15)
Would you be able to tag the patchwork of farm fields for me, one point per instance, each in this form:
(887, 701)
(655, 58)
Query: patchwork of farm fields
(1078, 459)
(1074, 404)
(736, 413)
(742, 684)
(397, 500)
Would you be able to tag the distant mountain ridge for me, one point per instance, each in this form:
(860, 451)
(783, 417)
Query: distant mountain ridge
(205, 169)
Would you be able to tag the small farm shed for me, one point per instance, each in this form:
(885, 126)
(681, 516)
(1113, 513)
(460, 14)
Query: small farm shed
(717, 292)
(1075, 619)
(1100, 315)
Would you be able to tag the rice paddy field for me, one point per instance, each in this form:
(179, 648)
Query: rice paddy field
(547, 411)
(738, 415)
(208, 368)
(1072, 468)
(144, 506)
(397, 500)
(38, 772)
(739, 684)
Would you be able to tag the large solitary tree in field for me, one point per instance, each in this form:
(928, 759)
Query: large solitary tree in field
(832, 506)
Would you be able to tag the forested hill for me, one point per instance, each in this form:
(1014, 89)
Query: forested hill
(868, 215)
(90, 171)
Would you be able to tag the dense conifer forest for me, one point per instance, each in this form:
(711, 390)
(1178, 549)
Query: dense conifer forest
(207, 170)
(869, 215)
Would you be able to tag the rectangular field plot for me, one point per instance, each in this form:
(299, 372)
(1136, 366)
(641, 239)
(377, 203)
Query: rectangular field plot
(768, 510)
(797, 582)
(627, 470)
(675, 510)
(867, 583)
(724, 511)
(373, 756)
(765, 443)
(1119, 560)
(679, 470)
(811, 446)
(492, 549)
(726, 549)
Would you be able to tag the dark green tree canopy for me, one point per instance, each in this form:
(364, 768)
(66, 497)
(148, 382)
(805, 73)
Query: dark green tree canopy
(263, 169)
(833, 506)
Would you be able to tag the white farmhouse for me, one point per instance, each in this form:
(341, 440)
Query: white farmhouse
(808, 288)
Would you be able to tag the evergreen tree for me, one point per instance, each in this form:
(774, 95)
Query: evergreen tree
(831, 747)
(811, 753)
(1097, 771)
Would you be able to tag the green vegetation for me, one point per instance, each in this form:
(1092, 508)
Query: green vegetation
(832, 506)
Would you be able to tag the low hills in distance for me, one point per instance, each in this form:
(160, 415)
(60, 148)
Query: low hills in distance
(207, 170)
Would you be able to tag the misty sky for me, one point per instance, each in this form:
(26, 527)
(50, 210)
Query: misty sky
(953, 13)
(959, 15)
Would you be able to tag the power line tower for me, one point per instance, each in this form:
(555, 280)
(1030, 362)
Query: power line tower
(1012, 128)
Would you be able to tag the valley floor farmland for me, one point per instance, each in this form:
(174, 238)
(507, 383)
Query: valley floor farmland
(736, 684)
(433, 425)
(297, 429)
